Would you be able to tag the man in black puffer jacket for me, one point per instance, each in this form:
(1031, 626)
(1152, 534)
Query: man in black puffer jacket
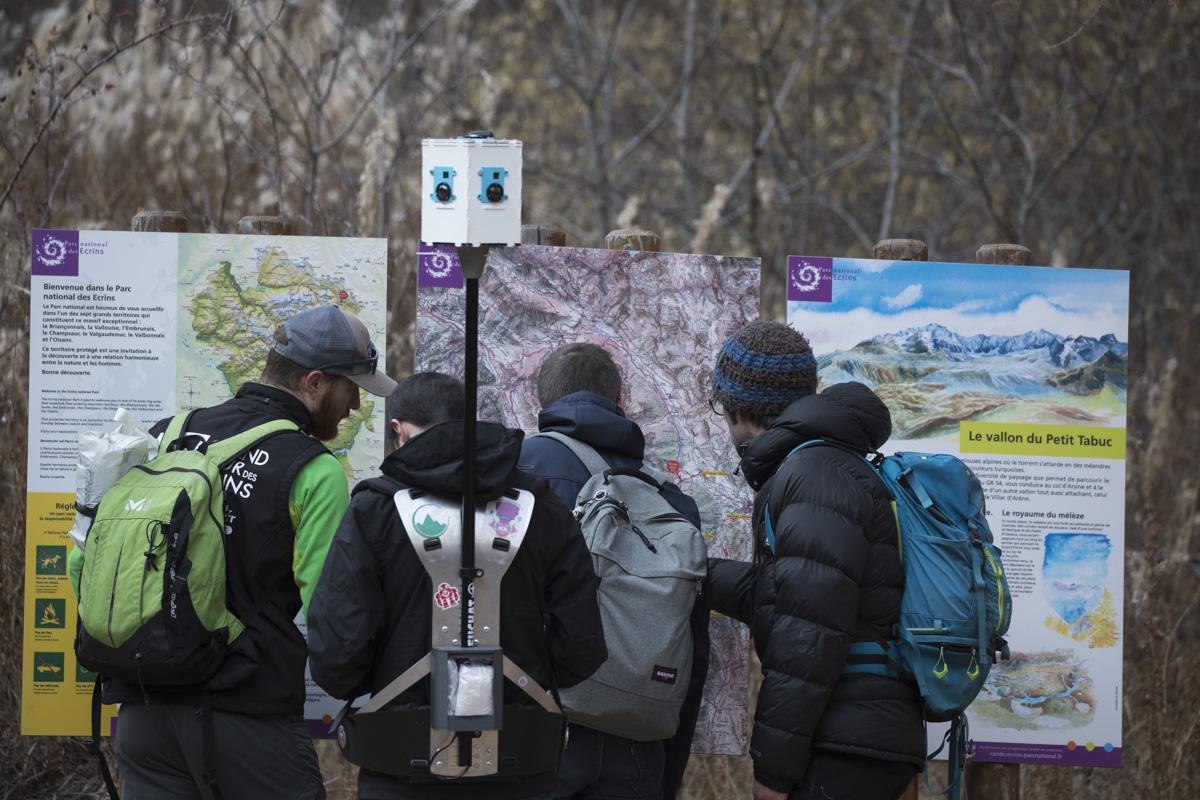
(827, 574)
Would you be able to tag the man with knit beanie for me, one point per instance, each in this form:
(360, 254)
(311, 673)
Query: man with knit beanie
(826, 574)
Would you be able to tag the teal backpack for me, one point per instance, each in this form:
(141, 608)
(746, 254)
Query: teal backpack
(152, 607)
(956, 606)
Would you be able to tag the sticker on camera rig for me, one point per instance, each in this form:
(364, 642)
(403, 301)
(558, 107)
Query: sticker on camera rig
(446, 596)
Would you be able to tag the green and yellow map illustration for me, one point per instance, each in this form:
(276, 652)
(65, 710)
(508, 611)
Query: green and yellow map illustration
(234, 291)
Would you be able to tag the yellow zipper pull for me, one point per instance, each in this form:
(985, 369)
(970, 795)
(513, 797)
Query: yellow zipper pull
(940, 669)
(973, 667)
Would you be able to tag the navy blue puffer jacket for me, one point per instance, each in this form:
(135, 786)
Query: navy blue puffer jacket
(835, 578)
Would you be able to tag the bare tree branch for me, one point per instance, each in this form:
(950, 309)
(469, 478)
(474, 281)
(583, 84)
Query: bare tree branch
(61, 101)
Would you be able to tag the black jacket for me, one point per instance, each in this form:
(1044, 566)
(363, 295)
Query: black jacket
(601, 424)
(835, 578)
(369, 617)
(263, 674)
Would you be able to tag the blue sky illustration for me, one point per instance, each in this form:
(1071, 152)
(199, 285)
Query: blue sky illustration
(872, 297)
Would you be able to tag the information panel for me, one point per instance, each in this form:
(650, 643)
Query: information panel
(1021, 371)
(155, 323)
(663, 317)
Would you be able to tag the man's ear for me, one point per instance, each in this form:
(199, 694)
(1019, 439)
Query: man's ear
(312, 382)
(405, 431)
(397, 430)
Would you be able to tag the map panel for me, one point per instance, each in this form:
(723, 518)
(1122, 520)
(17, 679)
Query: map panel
(234, 290)
(663, 316)
(1022, 371)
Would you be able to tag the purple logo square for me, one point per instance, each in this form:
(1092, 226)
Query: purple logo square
(55, 253)
(437, 265)
(810, 279)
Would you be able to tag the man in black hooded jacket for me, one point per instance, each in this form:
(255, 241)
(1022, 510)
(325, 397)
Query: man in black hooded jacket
(579, 387)
(827, 574)
(370, 614)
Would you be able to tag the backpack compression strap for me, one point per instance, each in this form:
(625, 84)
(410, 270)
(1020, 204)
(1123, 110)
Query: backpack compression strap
(871, 658)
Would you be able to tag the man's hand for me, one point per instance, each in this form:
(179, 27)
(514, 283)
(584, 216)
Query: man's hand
(763, 793)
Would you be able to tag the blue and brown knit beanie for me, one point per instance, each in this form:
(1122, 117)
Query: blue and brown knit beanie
(762, 368)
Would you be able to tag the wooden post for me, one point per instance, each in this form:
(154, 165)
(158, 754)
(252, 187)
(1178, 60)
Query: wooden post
(160, 222)
(271, 225)
(147, 222)
(905, 250)
(983, 781)
(1017, 255)
(997, 781)
(902, 250)
(543, 234)
(633, 239)
(338, 774)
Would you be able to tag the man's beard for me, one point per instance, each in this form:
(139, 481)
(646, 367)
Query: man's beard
(327, 418)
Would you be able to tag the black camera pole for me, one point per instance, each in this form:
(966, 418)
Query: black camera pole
(472, 259)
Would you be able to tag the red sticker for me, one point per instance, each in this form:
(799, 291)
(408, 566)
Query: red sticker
(446, 596)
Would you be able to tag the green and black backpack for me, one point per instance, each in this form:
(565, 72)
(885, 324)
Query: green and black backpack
(152, 593)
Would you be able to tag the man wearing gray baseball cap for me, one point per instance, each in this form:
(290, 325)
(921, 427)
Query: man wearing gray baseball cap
(330, 340)
(284, 497)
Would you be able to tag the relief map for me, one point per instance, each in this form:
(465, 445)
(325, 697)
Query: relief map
(663, 317)
(236, 289)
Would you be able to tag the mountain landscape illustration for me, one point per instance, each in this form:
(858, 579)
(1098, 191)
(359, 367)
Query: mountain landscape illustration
(933, 377)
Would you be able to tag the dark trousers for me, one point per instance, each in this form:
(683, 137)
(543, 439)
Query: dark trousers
(600, 766)
(833, 776)
(160, 752)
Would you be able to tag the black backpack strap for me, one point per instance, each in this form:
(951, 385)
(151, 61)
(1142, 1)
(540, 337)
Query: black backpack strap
(93, 744)
(177, 431)
(381, 484)
(208, 738)
(633, 473)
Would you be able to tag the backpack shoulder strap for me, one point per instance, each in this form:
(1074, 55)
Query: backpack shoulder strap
(834, 443)
(383, 484)
(593, 462)
(175, 428)
(226, 449)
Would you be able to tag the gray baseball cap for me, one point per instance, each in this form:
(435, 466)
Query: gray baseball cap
(328, 339)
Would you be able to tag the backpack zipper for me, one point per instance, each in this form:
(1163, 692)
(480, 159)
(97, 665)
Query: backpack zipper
(999, 573)
(645, 541)
(112, 598)
(607, 500)
(149, 471)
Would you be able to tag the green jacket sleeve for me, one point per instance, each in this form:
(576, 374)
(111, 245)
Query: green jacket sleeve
(318, 499)
(75, 568)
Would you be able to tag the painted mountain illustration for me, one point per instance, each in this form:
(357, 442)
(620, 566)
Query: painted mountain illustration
(932, 377)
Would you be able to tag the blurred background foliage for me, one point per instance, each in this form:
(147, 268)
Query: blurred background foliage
(745, 127)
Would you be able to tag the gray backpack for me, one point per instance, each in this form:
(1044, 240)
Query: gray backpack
(652, 562)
